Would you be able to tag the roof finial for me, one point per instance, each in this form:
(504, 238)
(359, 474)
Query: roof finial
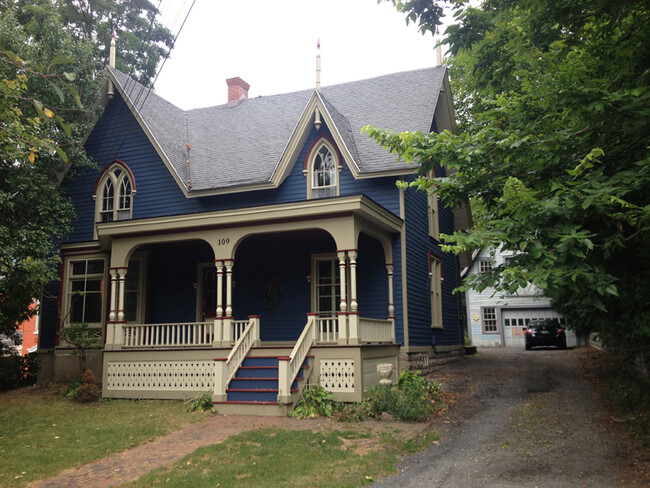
(111, 52)
(438, 47)
(318, 65)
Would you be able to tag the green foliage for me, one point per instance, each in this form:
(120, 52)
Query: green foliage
(315, 402)
(55, 434)
(554, 147)
(46, 87)
(627, 390)
(282, 458)
(81, 338)
(200, 403)
(356, 412)
(414, 398)
(141, 43)
(18, 371)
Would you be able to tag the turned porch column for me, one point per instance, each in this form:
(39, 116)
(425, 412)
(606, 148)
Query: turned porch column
(353, 317)
(391, 305)
(229, 264)
(112, 314)
(120, 293)
(218, 314)
(219, 266)
(343, 305)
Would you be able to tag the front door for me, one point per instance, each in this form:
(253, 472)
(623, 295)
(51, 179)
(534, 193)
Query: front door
(206, 292)
(326, 294)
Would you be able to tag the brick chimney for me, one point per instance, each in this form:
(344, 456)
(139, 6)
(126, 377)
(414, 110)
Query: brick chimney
(237, 91)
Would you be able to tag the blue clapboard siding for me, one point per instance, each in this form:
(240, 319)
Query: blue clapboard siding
(372, 279)
(285, 257)
(172, 273)
(418, 246)
(117, 135)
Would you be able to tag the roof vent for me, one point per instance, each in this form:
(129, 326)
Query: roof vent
(237, 91)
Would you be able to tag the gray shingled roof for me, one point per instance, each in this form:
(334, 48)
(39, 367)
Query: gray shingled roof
(243, 145)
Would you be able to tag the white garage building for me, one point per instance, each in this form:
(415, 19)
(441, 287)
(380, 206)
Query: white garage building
(497, 320)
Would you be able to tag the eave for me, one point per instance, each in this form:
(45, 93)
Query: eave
(309, 210)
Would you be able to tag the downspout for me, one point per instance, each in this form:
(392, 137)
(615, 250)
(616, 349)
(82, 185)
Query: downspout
(405, 313)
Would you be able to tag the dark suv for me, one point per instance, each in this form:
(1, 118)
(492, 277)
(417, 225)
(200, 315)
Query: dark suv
(546, 332)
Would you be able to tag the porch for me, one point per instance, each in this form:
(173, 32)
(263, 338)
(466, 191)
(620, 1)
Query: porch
(227, 359)
(315, 280)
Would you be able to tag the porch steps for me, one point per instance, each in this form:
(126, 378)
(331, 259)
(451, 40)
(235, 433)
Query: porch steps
(254, 389)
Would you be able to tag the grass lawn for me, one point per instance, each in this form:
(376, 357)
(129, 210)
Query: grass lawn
(283, 458)
(44, 433)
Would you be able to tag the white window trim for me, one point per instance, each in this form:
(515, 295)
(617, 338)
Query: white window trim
(485, 310)
(309, 173)
(67, 290)
(117, 185)
(435, 286)
(485, 261)
(434, 216)
(315, 258)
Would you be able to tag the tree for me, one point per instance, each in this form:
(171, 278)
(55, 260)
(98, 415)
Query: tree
(142, 41)
(47, 79)
(554, 146)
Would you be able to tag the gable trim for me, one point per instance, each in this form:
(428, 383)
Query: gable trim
(149, 134)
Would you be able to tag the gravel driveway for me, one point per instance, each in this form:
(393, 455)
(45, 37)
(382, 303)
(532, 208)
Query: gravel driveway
(523, 419)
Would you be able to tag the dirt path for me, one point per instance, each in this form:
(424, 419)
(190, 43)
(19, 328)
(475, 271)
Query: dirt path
(523, 419)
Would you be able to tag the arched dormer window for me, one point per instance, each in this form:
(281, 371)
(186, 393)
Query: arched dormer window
(322, 167)
(114, 194)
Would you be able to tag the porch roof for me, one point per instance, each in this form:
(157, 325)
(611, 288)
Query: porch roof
(270, 216)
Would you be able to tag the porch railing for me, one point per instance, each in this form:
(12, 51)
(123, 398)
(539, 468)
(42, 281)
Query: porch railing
(328, 329)
(168, 335)
(289, 366)
(225, 368)
(376, 330)
(238, 327)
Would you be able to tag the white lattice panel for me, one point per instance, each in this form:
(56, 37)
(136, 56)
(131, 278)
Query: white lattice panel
(161, 375)
(337, 375)
(370, 375)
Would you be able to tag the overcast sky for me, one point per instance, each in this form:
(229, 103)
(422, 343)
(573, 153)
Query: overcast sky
(272, 46)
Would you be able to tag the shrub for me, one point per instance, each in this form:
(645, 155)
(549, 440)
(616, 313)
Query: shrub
(87, 391)
(315, 401)
(356, 412)
(18, 371)
(200, 403)
(414, 398)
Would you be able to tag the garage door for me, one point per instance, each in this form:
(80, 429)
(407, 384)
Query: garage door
(515, 322)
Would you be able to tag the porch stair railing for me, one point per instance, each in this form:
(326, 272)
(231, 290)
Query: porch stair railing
(289, 366)
(225, 368)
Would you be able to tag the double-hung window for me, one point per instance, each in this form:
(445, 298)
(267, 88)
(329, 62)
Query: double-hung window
(85, 290)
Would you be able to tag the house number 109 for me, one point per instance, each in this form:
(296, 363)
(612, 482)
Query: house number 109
(224, 241)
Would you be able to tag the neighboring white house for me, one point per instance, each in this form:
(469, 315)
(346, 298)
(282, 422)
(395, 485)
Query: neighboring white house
(498, 319)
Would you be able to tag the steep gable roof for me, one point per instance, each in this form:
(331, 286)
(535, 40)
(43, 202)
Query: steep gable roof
(250, 146)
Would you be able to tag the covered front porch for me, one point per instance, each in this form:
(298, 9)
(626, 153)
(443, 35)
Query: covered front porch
(314, 296)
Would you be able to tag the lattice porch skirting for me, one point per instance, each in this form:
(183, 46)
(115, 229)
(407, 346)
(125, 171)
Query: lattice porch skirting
(160, 375)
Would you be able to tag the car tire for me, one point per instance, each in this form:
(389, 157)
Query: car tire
(528, 347)
(563, 344)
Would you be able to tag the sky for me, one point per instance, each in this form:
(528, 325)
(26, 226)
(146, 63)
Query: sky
(272, 46)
